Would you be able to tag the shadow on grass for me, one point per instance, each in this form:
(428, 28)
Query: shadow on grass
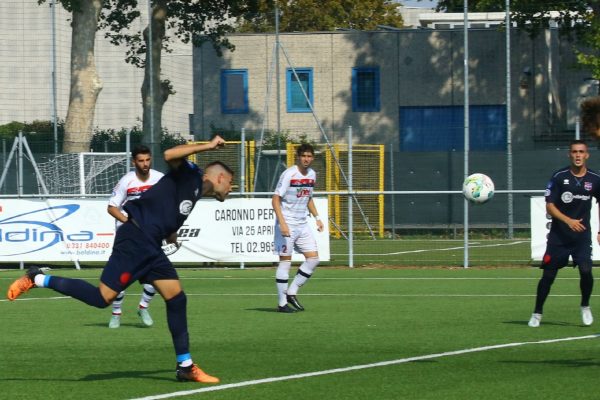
(583, 362)
(551, 323)
(138, 325)
(263, 309)
(129, 374)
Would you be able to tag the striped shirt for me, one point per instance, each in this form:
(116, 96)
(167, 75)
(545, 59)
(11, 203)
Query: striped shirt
(130, 187)
(295, 191)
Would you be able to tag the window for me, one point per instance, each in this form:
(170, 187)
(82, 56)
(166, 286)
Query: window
(296, 101)
(442, 128)
(365, 89)
(234, 91)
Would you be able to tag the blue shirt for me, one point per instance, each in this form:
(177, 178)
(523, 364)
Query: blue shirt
(163, 208)
(572, 196)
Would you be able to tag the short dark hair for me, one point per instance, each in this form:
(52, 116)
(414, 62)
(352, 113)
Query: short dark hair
(140, 149)
(577, 141)
(305, 148)
(590, 115)
(222, 165)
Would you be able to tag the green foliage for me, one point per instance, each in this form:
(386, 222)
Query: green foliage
(40, 133)
(320, 15)
(115, 140)
(271, 139)
(40, 130)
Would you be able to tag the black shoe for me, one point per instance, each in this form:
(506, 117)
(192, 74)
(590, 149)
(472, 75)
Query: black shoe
(286, 309)
(33, 271)
(293, 300)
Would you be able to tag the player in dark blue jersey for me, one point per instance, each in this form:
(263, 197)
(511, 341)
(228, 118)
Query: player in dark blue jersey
(569, 197)
(137, 253)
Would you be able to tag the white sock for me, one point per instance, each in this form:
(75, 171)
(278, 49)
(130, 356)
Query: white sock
(147, 295)
(304, 273)
(282, 276)
(39, 280)
(186, 363)
(116, 305)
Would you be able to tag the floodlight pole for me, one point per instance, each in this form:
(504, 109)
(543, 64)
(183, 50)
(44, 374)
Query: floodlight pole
(466, 132)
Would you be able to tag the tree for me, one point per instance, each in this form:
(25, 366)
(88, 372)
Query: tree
(85, 82)
(320, 15)
(193, 21)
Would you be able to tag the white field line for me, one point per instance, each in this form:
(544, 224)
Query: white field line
(374, 295)
(434, 249)
(358, 367)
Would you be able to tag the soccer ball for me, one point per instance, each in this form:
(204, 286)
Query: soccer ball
(478, 188)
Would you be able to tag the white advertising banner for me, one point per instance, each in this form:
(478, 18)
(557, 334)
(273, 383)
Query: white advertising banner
(52, 230)
(540, 226)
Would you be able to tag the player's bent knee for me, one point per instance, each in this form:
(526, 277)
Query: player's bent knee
(585, 269)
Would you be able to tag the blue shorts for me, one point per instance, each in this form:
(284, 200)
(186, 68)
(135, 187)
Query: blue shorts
(135, 257)
(557, 255)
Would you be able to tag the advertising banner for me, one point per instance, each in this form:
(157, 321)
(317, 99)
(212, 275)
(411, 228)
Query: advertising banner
(53, 230)
(540, 226)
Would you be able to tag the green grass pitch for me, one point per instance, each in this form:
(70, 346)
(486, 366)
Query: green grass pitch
(57, 348)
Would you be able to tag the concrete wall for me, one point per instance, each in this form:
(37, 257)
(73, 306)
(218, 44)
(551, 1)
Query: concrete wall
(26, 71)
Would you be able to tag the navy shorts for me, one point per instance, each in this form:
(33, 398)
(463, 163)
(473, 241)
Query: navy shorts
(135, 257)
(557, 255)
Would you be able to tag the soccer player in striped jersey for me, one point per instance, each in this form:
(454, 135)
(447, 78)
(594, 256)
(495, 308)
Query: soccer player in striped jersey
(130, 187)
(569, 197)
(137, 254)
(292, 199)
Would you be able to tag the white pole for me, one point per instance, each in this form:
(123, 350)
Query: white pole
(350, 204)
(54, 112)
(466, 133)
(20, 164)
(81, 174)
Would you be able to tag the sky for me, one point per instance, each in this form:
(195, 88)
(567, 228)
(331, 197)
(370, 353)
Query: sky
(415, 3)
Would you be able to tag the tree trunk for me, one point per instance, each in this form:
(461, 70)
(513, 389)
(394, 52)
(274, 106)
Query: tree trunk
(85, 83)
(153, 99)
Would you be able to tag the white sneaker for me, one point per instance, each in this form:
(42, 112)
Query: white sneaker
(535, 320)
(115, 321)
(586, 316)
(145, 316)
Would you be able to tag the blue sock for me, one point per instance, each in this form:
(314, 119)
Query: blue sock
(78, 289)
(177, 320)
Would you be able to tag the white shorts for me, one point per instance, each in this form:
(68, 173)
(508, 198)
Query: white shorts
(301, 239)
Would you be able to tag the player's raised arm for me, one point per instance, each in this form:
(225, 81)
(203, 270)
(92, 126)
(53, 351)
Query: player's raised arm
(175, 155)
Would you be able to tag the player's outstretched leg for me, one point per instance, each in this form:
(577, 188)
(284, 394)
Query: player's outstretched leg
(145, 300)
(23, 284)
(78, 289)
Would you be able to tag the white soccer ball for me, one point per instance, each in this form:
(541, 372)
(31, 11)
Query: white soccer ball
(478, 188)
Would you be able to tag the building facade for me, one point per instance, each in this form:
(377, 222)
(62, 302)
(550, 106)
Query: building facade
(404, 88)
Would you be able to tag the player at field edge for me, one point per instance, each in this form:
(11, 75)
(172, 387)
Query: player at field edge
(137, 253)
(130, 187)
(292, 198)
(569, 195)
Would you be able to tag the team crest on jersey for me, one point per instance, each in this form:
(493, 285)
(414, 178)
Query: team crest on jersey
(185, 207)
(587, 186)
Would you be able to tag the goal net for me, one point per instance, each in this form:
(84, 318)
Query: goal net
(84, 173)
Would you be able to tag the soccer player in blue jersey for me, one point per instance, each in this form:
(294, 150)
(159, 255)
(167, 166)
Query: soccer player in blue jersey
(137, 253)
(569, 197)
